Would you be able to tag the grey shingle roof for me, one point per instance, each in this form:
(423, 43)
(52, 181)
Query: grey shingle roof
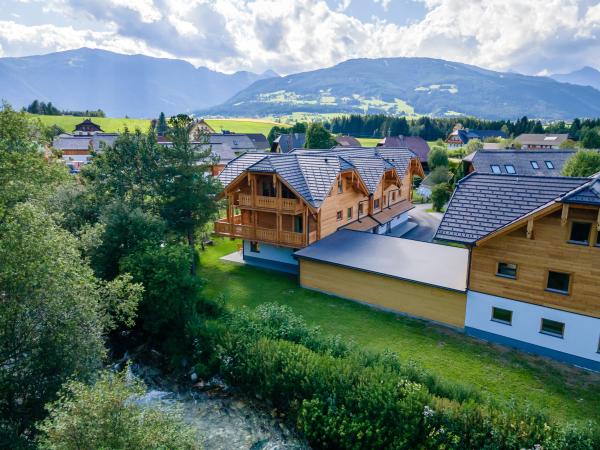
(483, 203)
(542, 139)
(522, 161)
(238, 165)
(69, 142)
(370, 169)
(237, 142)
(588, 194)
(288, 142)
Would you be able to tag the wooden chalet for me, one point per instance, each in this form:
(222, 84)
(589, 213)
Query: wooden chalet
(535, 262)
(280, 202)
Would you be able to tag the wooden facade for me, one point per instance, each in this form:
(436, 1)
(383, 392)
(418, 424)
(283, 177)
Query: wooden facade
(537, 245)
(263, 207)
(415, 299)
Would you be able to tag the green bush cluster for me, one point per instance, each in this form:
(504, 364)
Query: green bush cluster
(343, 397)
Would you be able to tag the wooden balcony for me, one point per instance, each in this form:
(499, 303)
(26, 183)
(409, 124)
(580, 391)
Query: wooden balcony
(270, 235)
(288, 205)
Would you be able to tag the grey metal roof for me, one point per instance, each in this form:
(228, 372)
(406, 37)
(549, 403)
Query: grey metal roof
(522, 161)
(288, 142)
(238, 165)
(542, 139)
(259, 140)
(237, 142)
(69, 142)
(483, 203)
(100, 139)
(420, 262)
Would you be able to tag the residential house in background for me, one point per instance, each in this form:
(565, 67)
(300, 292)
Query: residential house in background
(415, 144)
(543, 163)
(87, 127)
(347, 141)
(260, 141)
(541, 141)
(534, 264)
(285, 143)
(278, 203)
(460, 137)
(200, 126)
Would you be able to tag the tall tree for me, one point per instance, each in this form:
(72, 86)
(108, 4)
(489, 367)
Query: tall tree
(318, 137)
(161, 127)
(591, 139)
(187, 191)
(582, 164)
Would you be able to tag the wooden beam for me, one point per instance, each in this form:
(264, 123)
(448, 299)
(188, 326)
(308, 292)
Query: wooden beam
(598, 221)
(564, 215)
(530, 229)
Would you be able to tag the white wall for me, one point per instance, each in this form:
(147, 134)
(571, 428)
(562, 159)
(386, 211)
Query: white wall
(581, 333)
(271, 253)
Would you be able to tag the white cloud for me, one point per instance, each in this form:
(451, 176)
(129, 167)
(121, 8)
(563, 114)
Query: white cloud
(295, 35)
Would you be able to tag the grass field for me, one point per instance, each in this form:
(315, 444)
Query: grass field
(112, 124)
(368, 142)
(566, 393)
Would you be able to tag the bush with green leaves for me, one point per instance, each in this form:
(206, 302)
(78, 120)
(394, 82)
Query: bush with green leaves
(440, 194)
(584, 163)
(108, 415)
(438, 157)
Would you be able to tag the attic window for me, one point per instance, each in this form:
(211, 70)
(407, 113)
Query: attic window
(510, 169)
(496, 169)
(549, 164)
(535, 165)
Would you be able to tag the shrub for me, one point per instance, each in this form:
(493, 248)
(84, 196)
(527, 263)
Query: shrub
(107, 415)
(582, 164)
(440, 194)
(438, 156)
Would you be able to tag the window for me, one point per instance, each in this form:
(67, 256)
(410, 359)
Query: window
(339, 215)
(340, 186)
(349, 213)
(502, 315)
(376, 204)
(549, 164)
(507, 270)
(394, 196)
(558, 282)
(298, 224)
(552, 328)
(495, 168)
(360, 209)
(254, 247)
(510, 169)
(535, 165)
(580, 233)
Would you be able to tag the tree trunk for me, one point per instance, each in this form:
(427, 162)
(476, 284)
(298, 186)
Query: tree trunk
(192, 244)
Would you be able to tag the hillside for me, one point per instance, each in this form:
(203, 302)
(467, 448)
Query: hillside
(132, 85)
(413, 86)
(586, 76)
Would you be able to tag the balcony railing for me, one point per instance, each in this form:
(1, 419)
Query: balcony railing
(237, 230)
(273, 203)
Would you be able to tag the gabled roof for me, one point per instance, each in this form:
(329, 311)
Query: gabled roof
(523, 161)
(542, 139)
(259, 140)
(237, 142)
(310, 176)
(347, 141)
(288, 142)
(370, 169)
(70, 142)
(588, 194)
(484, 203)
(238, 165)
(415, 144)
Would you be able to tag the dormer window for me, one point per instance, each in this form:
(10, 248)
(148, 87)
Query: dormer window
(549, 164)
(510, 169)
(496, 169)
(535, 165)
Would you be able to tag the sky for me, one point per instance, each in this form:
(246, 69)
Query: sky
(535, 37)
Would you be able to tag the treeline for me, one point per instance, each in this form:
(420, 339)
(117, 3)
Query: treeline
(431, 129)
(48, 109)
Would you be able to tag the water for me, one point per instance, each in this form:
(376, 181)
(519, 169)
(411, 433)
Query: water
(223, 419)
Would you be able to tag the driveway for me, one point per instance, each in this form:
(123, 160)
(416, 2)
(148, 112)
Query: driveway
(427, 223)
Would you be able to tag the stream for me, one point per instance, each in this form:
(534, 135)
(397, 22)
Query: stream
(222, 417)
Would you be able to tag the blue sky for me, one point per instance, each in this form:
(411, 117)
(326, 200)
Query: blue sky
(527, 36)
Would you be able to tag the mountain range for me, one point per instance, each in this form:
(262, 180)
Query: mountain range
(142, 86)
(586, 76)
(414, 86)
(133, 85)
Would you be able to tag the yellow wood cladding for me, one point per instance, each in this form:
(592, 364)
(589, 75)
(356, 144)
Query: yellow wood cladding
(547, 249)
(415, 299)
(349, 198)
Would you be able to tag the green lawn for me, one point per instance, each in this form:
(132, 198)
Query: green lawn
(108, 124)
(368, 142)
(243, 125)
(567, 393)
